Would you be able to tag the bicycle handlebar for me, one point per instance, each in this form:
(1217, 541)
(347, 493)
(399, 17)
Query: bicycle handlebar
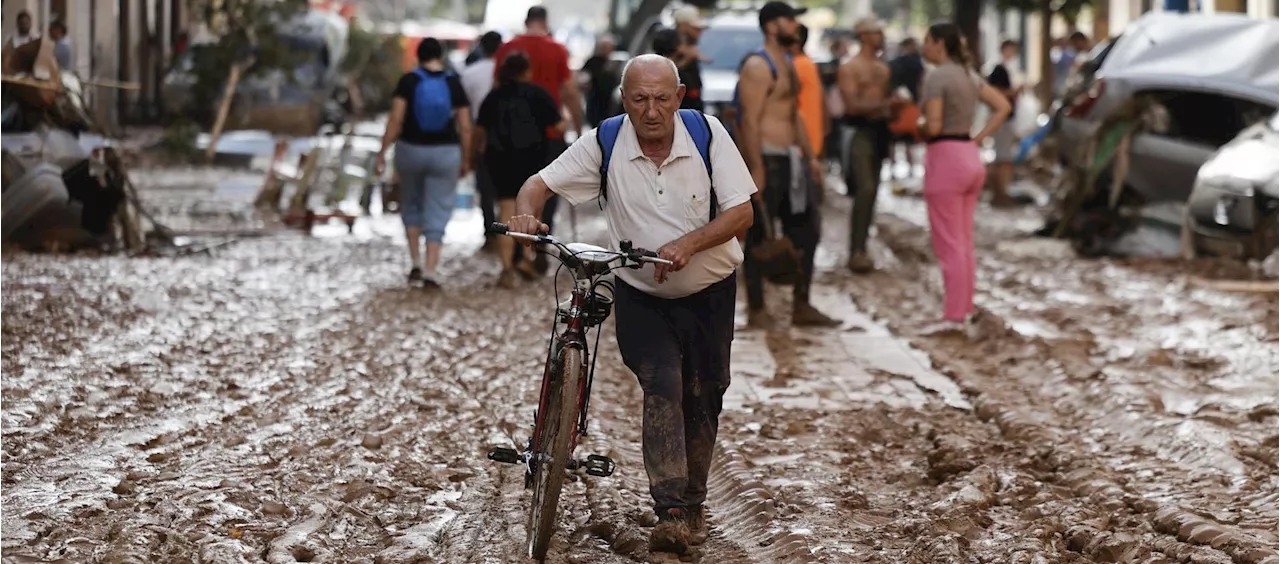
(626, 252)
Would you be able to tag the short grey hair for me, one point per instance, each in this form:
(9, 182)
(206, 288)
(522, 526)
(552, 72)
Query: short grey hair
(675, 71)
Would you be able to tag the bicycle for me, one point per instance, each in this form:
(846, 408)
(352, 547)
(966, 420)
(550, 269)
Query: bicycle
(561, 418)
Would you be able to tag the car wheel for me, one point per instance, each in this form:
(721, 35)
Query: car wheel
(1266, 239)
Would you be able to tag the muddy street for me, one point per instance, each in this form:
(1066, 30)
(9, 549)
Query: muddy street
(288, 399)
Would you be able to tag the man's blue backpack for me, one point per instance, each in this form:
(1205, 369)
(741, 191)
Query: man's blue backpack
(432, 101)
(694, 121)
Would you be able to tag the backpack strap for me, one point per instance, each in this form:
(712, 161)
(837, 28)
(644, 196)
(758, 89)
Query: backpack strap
(694, 121)
(606, 137)
(773, 71)
(700, 130)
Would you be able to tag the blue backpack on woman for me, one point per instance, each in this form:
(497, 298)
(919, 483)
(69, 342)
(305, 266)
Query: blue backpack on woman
(432, 101)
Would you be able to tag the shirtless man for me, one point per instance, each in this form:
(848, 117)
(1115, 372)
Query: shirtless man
(783, 166)
(864, 86)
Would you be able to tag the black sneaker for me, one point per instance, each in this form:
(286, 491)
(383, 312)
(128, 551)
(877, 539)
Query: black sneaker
(696, 518)
(672, 532)
(415, 275)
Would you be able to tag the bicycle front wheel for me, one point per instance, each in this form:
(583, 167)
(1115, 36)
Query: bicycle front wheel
(548, 478)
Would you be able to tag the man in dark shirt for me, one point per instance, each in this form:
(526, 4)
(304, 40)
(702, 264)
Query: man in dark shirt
(690, 24)
(1003, 77)
(603, 78)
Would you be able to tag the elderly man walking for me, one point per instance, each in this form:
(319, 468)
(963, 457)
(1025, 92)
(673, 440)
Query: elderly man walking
(674, 324)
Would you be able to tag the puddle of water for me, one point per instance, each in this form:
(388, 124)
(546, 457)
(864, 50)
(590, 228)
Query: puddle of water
(1032, 328)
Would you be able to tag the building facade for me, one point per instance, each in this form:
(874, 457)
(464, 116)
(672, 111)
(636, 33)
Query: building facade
(119, 40)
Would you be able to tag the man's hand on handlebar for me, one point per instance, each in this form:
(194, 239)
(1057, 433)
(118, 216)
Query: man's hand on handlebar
(528, 225)
(678, 252)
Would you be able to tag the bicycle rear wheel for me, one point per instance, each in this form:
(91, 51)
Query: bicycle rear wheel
(548, 479)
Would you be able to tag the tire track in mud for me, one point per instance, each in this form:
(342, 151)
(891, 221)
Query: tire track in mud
(1060, 450)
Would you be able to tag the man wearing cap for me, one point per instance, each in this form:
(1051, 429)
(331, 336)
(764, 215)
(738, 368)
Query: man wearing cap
(549, 62)
(864, 85)
(773, 139)
(690, 24)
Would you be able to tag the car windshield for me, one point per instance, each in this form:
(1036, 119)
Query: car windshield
(726, 46)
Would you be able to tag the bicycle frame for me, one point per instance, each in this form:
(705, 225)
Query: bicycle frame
(574, 335)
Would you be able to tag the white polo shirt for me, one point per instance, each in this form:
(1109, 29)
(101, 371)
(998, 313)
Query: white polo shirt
(653, 205)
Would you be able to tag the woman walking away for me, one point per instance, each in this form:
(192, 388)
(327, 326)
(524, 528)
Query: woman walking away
(513, 123)
(954, 173)
(431, 127)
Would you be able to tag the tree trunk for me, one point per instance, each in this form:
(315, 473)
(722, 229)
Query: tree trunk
(1046, 62)
(967, 17)
(233, 78)
(1101, 20)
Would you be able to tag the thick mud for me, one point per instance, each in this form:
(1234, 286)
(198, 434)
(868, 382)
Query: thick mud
(288, 399)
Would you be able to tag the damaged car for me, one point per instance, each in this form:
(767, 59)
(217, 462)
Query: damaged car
(1232, 209)
(1170, 92)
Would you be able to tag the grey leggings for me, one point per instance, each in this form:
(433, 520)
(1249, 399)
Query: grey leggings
(428, 186)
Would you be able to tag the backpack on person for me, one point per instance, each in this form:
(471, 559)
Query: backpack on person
(694, 121)
(516, 130)
(432, 101)
(734, 114)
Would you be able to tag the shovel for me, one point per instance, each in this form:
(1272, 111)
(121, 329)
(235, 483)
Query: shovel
(776, 256)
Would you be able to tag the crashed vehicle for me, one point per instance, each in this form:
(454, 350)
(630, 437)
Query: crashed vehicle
(1232, 209)
(63, 189)
(1167, 94)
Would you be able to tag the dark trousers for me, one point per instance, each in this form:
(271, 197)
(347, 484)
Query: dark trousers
(487, 192)
(867, 151)
(679, 351)
(555, 147)
(803, 229)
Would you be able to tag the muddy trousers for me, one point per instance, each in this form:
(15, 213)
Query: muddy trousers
(804, 230)
(953, 179)
(862, 177)
(679, 350)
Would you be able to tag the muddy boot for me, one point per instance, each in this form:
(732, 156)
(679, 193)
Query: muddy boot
(696, 517)
(508, 279)
(415, 276)
(672, 532)
(805, 315)
(860, 263)
(759, 319)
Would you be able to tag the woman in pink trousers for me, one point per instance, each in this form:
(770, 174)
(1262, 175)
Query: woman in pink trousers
(954, 173)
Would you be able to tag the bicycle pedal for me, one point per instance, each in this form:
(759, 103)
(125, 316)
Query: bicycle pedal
(599, 466)
(504, 455)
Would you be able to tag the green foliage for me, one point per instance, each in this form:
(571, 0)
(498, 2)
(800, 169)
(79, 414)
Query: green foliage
(373, 63)
(243, 28)
(179, 142)
(929, 11)
(1069, 10)
(886, 10)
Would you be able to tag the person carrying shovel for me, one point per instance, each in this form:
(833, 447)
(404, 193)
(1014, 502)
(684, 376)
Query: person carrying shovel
(786, 171)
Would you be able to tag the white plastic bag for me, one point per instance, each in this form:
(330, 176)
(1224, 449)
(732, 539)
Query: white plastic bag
(1025, 114)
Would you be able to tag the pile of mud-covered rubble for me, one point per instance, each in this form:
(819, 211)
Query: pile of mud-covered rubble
(64, 188)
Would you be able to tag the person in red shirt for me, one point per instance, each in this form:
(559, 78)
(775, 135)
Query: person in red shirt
(549, 62)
